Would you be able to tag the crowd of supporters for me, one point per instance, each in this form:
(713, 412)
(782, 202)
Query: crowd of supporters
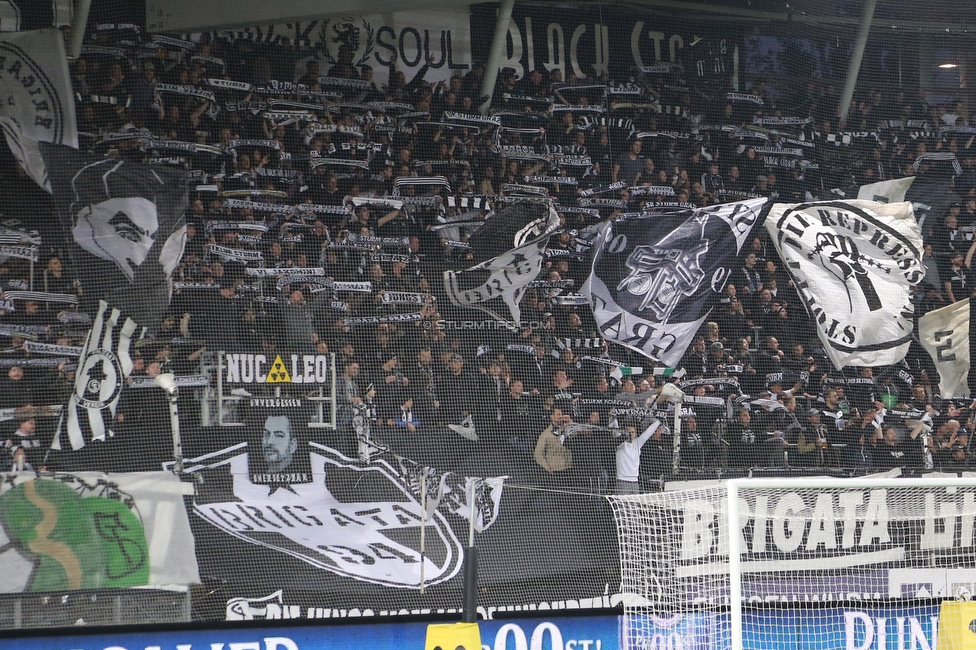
(299, 162)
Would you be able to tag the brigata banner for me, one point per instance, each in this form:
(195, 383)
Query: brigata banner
(246, 368)
(805, 544)
(290, 519)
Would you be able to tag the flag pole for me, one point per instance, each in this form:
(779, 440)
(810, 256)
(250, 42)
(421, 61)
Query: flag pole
(167, 381)
(423, 525)
(470, 586)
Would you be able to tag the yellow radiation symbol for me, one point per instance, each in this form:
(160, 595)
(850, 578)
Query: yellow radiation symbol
(278, 373)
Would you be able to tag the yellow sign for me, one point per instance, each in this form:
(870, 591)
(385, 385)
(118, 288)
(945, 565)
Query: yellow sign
(278, 373)
(456, 636)
(957, 625)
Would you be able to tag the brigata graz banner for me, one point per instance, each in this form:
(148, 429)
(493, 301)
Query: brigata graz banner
(808, 545)
(287, 516)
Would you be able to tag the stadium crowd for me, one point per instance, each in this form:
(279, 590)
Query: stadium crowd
(298, 162)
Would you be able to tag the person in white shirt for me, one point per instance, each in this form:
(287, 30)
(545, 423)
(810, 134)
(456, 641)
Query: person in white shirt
(629, 455)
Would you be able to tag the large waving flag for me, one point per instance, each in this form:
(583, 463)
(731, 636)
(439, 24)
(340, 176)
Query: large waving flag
(497, 284)
(854, 263)
(656, 278)
(125, 225)
(38, 103)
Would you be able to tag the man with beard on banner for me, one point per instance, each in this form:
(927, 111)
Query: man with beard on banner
(124, 224)
(853, 263)
(501, 281)
(656, 278)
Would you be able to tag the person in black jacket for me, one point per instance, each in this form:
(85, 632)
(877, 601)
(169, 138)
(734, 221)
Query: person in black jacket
(744, 440)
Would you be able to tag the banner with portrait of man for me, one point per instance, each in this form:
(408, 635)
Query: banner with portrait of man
(278, 453)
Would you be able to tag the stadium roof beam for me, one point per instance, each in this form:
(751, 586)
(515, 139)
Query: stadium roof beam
(854, 67)
(181, 16)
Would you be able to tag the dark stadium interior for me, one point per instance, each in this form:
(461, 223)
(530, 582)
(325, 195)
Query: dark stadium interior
(384, 161)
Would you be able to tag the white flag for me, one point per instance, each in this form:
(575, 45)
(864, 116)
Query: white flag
(854, 263)
(886, 191)
(112, 530)
(944, 333)
(36, 100)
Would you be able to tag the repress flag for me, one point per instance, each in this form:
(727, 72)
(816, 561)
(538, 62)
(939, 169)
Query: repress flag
(854, 263)
(656, 278)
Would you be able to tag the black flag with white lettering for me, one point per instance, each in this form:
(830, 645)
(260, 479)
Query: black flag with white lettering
(497, 284)
(125, 221)
(655, 279)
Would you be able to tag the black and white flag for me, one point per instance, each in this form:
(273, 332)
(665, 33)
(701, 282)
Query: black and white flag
(944, 333)
(854, 264)
(511, 228)
(36, 100)
(104, 365)
(125, 228)
(655, 280)
(501, 281)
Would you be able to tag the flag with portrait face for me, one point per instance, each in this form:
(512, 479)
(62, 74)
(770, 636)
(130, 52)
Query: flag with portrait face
(125, 225)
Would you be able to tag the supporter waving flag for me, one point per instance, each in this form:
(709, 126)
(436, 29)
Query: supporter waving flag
(854, 264)
(655, 278)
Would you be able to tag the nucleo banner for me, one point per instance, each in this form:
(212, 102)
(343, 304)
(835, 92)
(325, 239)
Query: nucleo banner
(275, 369)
